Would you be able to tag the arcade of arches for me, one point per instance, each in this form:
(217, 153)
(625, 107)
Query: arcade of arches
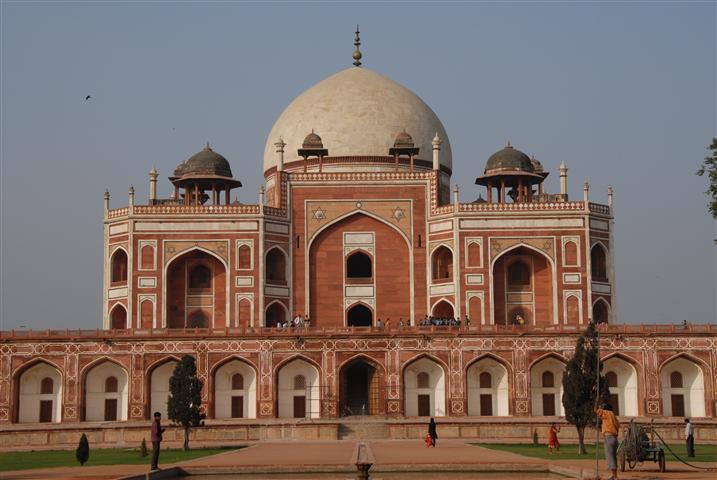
(362, 389)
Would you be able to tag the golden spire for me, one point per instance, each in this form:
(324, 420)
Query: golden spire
(357, 53)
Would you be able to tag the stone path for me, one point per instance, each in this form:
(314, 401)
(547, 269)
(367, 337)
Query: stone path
(340, 456)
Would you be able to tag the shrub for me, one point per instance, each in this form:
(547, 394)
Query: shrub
(143, 449)
(535, 437)
(83, 450)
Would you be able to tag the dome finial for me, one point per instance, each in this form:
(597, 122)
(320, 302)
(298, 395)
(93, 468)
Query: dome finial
(206, 146)
(508, 145)
(357, 53)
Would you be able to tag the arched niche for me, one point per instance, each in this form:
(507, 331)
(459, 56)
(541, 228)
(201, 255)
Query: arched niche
(546, 387)
(359, 315)
(621, 378)
(118, 266)
(106, 390)
(487, 381)
(598, 263)
(275, 266)
(683, 388)
(118, 317)
(442, 265)
(159, 387)
(276, 313)
(235, 390)
(298, 390)
(424, 388)
(40, 394)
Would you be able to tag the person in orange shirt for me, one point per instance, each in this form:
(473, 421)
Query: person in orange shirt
(610, 428)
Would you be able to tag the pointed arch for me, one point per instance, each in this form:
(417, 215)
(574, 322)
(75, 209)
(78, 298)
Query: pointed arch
(624, 392)
(359, 265)
(118, 317)
(226, 401)
(442, 264)
(362, 312)
(553, 271)
(152, 386)
(94, 399)
(443, 311)
(362, 389)
(351, 214)
(601, 311)
(293, 402)
(178, 255)
(272, 322)
(493, 399)
(119, 265)
(419, 400)
(546, 400)
(31, 403)
(690, 398)
(598, 262)
(276, 265)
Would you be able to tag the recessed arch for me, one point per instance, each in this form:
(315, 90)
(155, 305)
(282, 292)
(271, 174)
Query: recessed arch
(276, 265)
(391, 282)
(443, 308)
(118, 317)
(98, 404)
(601, 311)
(359, 265)
(553, 281)
(294, 402)
(359, 314)
(598, 262)
(32, 402)
(420, 400)
(686, 398)
(362, 386)
(231, 400)
(275, 313)
(546, 397)
(157, 388)
(442, 264)
(119, 265)
(623, 384)
(484, 399)
(176, 276)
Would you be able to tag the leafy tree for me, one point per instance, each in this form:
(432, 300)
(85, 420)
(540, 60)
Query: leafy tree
(580, 384)
(710, 168)
(185, 397)
(83, 450)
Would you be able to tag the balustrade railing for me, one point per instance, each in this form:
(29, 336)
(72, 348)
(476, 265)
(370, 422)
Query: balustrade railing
(109, 335)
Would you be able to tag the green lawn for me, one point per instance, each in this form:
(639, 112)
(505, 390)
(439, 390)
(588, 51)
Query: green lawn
(111, 456)
(705, 453)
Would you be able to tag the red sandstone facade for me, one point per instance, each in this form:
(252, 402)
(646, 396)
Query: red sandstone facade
(344, 241)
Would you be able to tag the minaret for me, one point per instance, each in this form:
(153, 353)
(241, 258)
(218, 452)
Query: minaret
(153, 185)
(437, 152)
(107, 201)
(357, 53)
(563, 179)
(586, 191)
(455, 197)
(280, 150)
(609, 195)
(131, 195)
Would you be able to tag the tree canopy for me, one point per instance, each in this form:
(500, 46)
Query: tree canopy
(709, 167)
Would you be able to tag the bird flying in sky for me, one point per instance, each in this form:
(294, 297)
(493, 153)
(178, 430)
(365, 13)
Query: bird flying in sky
(88, 97)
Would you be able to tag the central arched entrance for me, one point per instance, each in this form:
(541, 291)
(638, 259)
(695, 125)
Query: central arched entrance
(361, 389)
(359, 316)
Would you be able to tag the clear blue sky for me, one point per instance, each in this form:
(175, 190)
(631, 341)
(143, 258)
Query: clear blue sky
(624, 94)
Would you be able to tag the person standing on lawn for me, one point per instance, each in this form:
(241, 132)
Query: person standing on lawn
(157, 432)
(610, 428)
(432, 432)
(690, 438)
(553, 442)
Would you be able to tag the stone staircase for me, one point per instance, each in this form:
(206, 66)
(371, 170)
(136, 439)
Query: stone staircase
(362, 429)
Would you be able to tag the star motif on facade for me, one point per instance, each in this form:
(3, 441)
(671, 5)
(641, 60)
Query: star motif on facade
(398, 214)
(319, 214)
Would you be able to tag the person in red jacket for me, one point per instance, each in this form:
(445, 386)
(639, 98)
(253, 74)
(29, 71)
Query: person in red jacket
(553, 442)
(157, 432)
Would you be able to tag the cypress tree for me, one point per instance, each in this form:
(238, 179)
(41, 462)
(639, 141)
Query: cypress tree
(580, 384)
(82, 454)
(185, 397)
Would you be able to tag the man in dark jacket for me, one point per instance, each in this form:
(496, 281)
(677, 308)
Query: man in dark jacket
(157, 431)
(432, 432)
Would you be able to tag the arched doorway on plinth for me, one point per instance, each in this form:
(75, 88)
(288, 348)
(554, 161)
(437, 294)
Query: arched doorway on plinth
(359, 316)
(361, 390)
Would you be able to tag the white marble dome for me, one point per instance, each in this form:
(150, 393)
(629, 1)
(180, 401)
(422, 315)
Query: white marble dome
(356, 112)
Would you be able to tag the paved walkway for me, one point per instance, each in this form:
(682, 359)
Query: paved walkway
(387, 455)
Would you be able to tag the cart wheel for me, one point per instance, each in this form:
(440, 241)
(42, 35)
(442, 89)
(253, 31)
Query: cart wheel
(621, 461)
(661, 460)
